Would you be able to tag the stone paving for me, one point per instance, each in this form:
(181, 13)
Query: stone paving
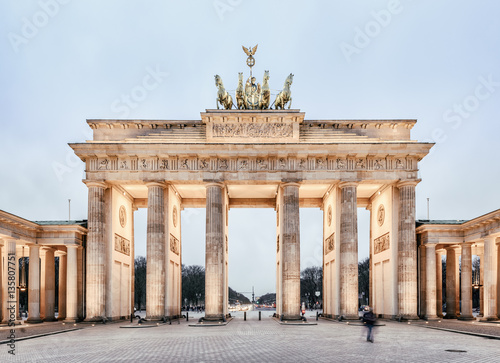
(254, 341)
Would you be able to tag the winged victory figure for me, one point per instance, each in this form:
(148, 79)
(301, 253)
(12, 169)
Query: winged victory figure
(250, 51)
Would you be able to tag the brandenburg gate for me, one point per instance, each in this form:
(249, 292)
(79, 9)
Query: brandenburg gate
(251, 158)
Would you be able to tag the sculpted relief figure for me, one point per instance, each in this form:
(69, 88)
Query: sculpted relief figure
(223, 98)
(240, 94)
(252, 94)
(285, 95)
(265, 95)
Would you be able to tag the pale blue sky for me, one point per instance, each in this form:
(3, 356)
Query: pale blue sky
(61, 65)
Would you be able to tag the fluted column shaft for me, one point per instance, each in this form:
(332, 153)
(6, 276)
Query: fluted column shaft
(481, 283)
(96, 253)
(155, 269)
(34, 285)
(466, 283)
(451, 281)
(214, 254)
(498, 280)
(348, 250)
(50, 285)
(72, 284)
(439, 285)
(62, 287)
(3, 283)
(407, 252)
(291, 251)
(490, 278)
(430, 275)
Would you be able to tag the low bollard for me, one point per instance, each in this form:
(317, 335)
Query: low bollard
(259, 315)
(317, 315)
(244, 316)
(187, 315)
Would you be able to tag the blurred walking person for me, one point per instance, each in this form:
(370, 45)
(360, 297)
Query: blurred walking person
(369, 320)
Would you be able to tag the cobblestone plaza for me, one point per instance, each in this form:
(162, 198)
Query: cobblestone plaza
(257, 341)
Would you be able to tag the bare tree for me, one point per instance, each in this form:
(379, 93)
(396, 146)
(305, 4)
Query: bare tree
(364, 280)
(311, 280)
(140, 282)
(193, 284)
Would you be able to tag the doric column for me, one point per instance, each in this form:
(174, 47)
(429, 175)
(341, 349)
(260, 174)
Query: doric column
(407, 251)
(498, 279)
(422, 257)
(481, 282)
(214, 254)
(71, 284)
(34, 285)
(439, 285)
(458, 252)
(2, 282)
(96, 253)
(490, 278)
(430, 275)
(50, 285)
(348, 250)
(451, 281)
(291, 251)
(155, 276)
(62, 285)
(466, 283)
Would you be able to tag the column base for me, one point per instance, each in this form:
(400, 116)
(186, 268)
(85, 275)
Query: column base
(155, 318)
(34, 320)
(489, 318)
(349, 317)
(95, 319)
(407, 317)
(70, 320)
(291, 317)
(450, 316)
(462, 317)
(216, 317)
(431, 318)
(50, 319)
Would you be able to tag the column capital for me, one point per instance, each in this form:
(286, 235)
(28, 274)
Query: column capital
(430, 245)
(411, 183)
(96, 183)
(348, 183)
(214, 184)
(155, 183)
(59, 253)
(290, 184)
(491, 237)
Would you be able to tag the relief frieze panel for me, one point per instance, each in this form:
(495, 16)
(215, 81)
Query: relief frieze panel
(122, 245)
(174, 244)
(280, 163)
(252, 130)
(330, 243)
(381, 243)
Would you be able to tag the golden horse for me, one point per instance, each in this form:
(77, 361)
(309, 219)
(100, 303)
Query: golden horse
(240, 93)
(285, 95)
(265, 96)
(223, 97)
